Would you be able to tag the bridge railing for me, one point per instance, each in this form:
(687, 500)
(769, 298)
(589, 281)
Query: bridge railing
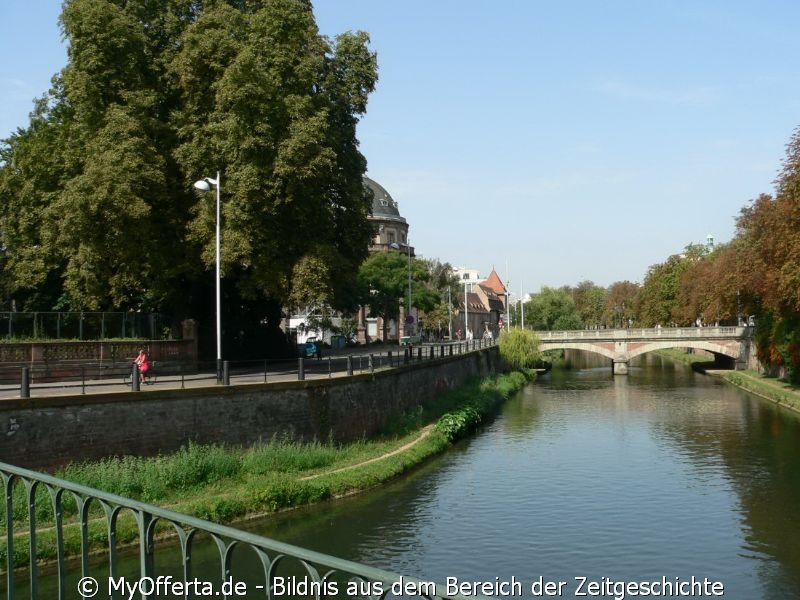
(98, 515)
(646, 333)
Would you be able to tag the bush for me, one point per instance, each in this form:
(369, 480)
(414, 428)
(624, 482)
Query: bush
(519, 348)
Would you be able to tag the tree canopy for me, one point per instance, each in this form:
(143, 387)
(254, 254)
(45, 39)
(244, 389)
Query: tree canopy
(98, 207)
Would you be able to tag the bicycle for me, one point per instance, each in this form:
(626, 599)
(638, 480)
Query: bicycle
(149, 378)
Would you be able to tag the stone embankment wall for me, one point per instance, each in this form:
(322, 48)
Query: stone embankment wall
(44, 433)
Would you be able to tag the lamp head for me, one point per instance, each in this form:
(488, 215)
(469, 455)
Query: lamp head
(205, 184)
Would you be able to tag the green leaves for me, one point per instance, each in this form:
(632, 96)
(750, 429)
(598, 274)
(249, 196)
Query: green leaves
(519, 348)
(98, 207)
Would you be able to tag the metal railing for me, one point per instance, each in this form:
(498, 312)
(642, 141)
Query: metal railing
(93, 508)
(28, 382)
(82, 325)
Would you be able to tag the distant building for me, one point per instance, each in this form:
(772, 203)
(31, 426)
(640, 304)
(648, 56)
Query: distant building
(464, 275)
(390, 235)
(483, 304)
(391, 229)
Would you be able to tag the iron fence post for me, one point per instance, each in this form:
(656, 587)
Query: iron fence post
(301, 369)
(226, 373)
(349, 364)
(135, 378)
(371, 364)
(25, 383)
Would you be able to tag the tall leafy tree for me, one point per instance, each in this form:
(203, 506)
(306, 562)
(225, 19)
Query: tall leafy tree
(552, 309)
(99, 210)
(622, 305)
(589, 302)
(385, 276)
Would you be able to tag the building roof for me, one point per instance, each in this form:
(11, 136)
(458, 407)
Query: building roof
(495, 303)
(494, 283)
(475, 304)
(383, 205)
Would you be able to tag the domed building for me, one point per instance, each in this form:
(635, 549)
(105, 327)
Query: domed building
(391, 229)
(390, 235)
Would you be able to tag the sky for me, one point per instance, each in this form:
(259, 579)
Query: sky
(556, 142)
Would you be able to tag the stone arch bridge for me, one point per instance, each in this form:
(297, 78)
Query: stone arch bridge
(621, 345)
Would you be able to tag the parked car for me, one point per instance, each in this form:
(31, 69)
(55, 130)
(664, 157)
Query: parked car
(313, 347)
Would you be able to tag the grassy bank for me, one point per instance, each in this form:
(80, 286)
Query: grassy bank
(226, 484)
(686, 358)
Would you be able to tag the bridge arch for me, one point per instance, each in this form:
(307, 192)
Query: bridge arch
(731, 352)
(585, 346)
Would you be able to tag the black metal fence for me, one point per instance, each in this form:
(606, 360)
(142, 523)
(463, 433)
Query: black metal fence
(91, 378)
(83, 325)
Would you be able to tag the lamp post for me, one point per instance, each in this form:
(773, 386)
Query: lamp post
(466, 311)
(205, 185)
(408, 246)
(450, 311)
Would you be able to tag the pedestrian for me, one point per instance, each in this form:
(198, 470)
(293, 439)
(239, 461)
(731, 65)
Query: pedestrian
(143, 362)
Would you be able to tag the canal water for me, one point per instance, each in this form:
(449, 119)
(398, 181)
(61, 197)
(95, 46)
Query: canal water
(663, 473)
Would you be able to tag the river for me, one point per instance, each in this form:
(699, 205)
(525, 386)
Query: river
(663, 473)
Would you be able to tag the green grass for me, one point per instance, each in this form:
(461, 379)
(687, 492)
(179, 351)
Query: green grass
(679, 355)
(224, 484)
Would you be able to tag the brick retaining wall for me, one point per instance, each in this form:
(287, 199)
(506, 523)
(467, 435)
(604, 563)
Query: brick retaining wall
(44, 433)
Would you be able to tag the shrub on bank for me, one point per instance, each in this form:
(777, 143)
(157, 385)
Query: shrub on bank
(479, 404)
(519, 348)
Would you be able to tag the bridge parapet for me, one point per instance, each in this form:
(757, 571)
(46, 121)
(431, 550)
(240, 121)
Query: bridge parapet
(654, 334)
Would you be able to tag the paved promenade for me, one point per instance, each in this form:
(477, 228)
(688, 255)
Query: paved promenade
(254, 372)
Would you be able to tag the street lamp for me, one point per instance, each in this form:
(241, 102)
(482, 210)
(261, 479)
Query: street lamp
(450, 312)
(408, 246)
(466, 311)
(205, 186)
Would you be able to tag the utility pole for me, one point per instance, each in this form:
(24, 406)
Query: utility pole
(408, 246)
(466, 311)
(450, 311)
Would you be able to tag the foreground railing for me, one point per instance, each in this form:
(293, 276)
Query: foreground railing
(283, 567)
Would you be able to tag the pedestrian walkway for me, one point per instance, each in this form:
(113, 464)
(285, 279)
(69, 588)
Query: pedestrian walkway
(252, 372)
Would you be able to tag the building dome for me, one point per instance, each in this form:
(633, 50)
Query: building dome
(391, 229)
(383, 205)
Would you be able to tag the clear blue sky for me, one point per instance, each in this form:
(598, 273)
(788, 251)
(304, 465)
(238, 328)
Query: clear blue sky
(568, 140)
